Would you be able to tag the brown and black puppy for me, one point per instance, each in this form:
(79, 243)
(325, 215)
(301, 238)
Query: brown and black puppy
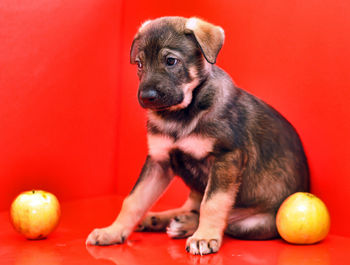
(238, 155)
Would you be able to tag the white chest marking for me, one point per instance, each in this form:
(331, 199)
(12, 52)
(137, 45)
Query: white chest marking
(174, 126)
(197, 146)
(159, 146)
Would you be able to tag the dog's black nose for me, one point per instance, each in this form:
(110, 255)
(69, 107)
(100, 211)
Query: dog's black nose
(148, 96)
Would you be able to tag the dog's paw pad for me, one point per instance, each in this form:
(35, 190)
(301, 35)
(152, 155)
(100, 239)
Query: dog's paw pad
(140, 228)
(152, 223)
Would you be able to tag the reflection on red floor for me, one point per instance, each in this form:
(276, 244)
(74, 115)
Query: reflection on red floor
(67, 244)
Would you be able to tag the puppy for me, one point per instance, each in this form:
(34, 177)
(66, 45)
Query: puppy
(237, 154)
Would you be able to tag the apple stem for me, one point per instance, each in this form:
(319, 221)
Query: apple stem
(33, 191)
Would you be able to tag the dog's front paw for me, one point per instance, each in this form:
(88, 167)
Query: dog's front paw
(106, 236)
(203, 244)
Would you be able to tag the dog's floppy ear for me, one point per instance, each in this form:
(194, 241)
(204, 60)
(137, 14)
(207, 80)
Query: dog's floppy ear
(209, 37)
(134, 45)
(133, 50)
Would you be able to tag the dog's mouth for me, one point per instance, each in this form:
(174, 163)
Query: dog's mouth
(154, 108)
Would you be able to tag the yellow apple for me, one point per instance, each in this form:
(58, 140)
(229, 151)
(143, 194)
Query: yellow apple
(303, 219)
(35, 214)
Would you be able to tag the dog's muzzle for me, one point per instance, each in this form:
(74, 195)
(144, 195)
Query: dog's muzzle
(158, 99)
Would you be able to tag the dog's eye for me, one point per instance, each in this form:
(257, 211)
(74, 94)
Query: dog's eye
(170, 61)
(139, 64)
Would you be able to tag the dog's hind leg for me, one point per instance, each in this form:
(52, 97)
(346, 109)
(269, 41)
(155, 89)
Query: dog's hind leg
(184, 225)
(251, 225)
(185, 216)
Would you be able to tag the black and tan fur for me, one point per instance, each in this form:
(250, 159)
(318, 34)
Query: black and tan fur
(237, 154)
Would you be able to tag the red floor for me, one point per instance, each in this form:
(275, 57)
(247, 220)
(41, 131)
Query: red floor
(67, 244)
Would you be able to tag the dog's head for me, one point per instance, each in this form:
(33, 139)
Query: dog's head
(173, 56)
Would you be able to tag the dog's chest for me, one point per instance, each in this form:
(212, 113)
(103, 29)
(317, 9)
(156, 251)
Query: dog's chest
(160, 146)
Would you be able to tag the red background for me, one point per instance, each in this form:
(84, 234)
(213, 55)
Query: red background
(69, 118)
